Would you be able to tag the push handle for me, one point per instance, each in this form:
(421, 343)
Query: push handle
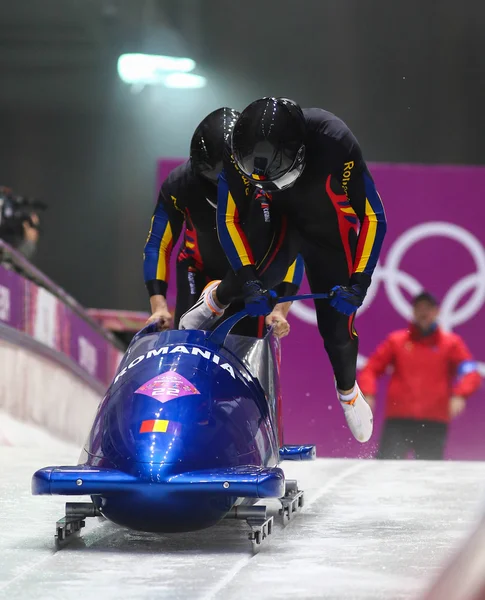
(218, 336)
(150, 328)
(325, 296)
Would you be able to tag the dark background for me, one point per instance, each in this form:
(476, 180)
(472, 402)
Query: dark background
(407, 76)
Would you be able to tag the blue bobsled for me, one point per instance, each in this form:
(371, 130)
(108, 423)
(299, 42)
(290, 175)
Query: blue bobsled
(189, 432)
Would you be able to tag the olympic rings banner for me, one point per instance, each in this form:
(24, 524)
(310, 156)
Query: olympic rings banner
(435, 241)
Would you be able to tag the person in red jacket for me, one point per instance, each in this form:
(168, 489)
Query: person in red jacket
(433, 373)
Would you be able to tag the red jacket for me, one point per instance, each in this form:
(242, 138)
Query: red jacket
(427, 372)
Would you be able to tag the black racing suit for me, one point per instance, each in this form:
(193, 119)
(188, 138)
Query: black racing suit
(335, 212)
(187, 198)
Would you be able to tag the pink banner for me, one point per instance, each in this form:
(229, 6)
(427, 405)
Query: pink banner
(435, 216)
(39, 313)
(11, 298)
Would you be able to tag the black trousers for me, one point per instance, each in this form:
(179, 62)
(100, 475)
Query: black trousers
(326, 268)
(399, 437)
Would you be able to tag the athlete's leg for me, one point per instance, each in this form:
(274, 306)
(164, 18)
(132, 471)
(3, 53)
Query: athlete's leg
(325, 268)
(329, 261)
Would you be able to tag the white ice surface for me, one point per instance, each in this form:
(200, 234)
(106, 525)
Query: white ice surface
(369, 530)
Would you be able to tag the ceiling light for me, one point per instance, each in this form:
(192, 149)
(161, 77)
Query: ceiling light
(184, 80)
(151, 68)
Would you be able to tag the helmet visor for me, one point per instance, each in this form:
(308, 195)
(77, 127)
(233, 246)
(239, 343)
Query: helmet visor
(284, 181)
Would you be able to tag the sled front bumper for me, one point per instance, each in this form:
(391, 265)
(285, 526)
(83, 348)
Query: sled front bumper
(247, 482)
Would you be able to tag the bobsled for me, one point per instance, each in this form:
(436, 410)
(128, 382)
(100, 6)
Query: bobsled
(188, 433)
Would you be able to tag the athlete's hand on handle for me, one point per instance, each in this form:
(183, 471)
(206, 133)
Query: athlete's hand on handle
(347, 298)
(160, 313)
(162, 317)
(259, 302)
(278, 322)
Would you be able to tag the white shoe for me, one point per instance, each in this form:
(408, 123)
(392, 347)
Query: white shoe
(358, 415)
(204, 313)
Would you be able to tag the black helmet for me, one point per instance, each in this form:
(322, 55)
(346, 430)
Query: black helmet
(207, 145)
(268, 143)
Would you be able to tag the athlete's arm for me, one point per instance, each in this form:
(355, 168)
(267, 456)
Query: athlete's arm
(233, 196)
(367, 204)
(166, 225)
(288, 287)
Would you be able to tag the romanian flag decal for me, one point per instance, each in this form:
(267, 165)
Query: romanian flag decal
(159, 426)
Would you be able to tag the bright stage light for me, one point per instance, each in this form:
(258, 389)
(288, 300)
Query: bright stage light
(146, 69)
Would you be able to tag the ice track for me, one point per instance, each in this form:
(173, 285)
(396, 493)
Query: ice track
(369, 530)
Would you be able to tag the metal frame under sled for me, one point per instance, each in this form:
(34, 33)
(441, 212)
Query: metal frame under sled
(255, 516)
(75, 519)
(292, 502)
(261, 525)
(260, 530)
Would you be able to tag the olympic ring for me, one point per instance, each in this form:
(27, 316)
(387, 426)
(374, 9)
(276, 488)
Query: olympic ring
(448, 318)
(394, 280)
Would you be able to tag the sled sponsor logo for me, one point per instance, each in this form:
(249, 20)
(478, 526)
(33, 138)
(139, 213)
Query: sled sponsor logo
(178, 350)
